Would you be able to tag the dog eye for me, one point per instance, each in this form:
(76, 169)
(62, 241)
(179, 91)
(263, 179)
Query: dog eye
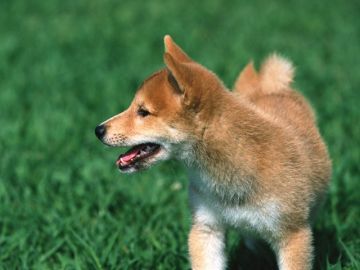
(142, 112)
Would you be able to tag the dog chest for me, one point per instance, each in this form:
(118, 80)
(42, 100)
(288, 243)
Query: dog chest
(208, 208)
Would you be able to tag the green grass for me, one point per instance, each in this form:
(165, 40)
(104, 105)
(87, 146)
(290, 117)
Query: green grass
(67, 65)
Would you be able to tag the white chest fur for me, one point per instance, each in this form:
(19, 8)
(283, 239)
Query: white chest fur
(262, 218)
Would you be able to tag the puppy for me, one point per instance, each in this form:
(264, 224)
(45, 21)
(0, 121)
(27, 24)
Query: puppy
(255, 158)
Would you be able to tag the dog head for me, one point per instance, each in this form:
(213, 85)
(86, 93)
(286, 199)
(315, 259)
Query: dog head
(167, 115)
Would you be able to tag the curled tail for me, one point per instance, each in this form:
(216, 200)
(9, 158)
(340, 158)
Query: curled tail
(276, 74)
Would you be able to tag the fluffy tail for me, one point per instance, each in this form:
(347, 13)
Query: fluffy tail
(276, 74)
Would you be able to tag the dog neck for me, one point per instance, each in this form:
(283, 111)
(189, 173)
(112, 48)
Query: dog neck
(224, 155)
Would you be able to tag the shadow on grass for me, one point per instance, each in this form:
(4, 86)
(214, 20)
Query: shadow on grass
(262, 258)
(327, 251)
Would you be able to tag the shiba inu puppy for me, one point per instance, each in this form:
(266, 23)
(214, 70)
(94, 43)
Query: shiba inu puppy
(255, 157)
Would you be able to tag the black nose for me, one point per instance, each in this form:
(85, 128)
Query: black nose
(100, 131)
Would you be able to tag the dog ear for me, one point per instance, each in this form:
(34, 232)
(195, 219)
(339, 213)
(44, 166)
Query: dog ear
(178, 73)
(248, 80)
(174, 84)
(181, 78)
(172, 48)
(174, 56)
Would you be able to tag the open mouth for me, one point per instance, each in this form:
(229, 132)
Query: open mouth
(134, 157)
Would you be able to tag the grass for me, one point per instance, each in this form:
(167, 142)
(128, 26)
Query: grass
(67, 65)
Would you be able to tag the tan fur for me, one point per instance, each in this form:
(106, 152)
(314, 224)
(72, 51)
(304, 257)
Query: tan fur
(248, 81)
(199, 239)
(256, 159)
(276, 74)
(295, 251)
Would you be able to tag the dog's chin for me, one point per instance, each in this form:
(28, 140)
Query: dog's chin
(139, 164)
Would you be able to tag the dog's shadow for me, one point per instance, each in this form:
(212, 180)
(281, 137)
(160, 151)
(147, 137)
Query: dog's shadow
(259, 257)
(262, 258)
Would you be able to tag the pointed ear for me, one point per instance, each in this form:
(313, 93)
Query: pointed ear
(179, 73)
(172, 48)
(247, 80)
(181, 78)
(174, 84)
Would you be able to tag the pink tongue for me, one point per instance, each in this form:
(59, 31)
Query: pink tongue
(124, 160)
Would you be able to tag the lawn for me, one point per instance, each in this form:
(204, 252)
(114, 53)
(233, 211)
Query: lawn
(65, 66)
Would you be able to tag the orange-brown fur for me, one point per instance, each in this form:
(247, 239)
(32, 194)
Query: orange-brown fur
(254, 149)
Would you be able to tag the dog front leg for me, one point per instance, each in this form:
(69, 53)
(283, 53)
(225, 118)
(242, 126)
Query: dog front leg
(295, 250)
(206, 247)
